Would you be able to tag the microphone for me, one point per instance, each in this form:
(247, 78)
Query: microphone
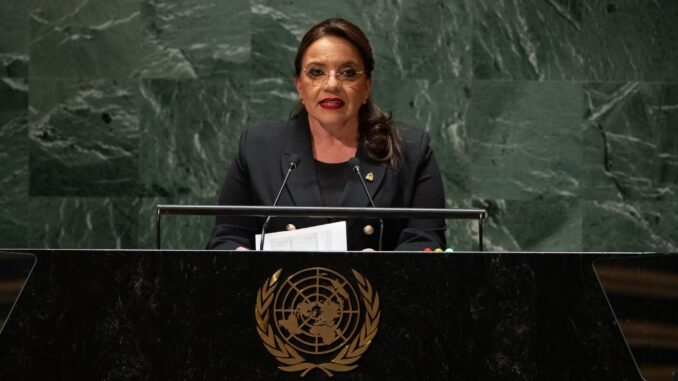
(355, 163)
(291, 165)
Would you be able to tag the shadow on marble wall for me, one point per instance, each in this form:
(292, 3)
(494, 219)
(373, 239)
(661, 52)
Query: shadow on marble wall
(558, 116)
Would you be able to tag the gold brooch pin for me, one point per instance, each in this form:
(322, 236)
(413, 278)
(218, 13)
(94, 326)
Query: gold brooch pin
(369, 176)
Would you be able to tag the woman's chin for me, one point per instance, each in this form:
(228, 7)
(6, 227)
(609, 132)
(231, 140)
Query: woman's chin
(333, 119)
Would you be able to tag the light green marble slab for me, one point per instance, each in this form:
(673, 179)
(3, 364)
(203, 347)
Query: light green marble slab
(90, 39)
(84, 138)
(631, 141)
(462, 235)
(553, 224)
(630, 226)
(271, 99)
(177, 232)
(440, 109)
(277, 29)
(195, 39)
(530, 39)
(190, 133)
(575, 40)
(413, 39)
(83, 222)
(525, 139)
(630, 40)
(13, 162)
(420, 39)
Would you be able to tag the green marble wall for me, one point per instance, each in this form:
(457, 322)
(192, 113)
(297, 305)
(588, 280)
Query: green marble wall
(558, 116)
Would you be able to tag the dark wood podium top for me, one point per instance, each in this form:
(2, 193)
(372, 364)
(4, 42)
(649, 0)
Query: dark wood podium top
(126, 314)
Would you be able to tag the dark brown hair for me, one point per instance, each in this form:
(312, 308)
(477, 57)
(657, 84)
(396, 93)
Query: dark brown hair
(377, 132)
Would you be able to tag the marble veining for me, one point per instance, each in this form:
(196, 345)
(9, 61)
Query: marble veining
(402, 48)
(574, 40)
(84, 138)
(178, 232)
(630, 139)
(535, 154)
(70, 222)
(184, 123)
(649, 223)
(88, 39)
(195, 39)
(557, 116)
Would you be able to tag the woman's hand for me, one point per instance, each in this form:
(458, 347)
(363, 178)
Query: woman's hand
(367, 249)
(241, 248)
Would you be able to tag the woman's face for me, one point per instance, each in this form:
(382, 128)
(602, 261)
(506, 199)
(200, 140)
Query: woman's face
(332, 101)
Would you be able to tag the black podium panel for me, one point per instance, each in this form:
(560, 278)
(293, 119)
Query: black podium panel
(174, 315)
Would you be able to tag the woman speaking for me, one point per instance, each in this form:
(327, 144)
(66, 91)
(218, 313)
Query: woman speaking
(334, 127)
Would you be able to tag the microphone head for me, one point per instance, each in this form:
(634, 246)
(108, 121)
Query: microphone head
(294, 161)
(354, 163)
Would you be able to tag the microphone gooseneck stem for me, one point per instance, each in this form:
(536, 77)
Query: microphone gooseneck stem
(263, 232)
(356, 169)
(291, 166)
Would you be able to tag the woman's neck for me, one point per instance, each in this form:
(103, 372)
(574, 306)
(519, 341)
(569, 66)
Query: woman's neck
(333, 144)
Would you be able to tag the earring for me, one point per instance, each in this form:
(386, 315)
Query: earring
(365, 102)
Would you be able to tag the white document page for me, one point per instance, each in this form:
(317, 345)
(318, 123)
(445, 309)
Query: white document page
(327, 237)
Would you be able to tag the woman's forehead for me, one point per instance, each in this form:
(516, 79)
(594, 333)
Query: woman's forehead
(332, 50)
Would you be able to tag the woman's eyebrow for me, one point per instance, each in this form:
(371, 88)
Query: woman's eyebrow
(320, 63)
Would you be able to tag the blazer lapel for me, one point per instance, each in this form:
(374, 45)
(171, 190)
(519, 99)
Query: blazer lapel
(302, 186)
(354, 194)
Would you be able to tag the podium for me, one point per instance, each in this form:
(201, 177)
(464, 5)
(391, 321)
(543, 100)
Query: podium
(198, 315)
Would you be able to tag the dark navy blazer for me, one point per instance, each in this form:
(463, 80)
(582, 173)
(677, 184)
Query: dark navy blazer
(256, 175)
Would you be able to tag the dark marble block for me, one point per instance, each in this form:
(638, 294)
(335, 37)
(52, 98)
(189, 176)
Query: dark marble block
(190, 315)
(634, 225)
(13, 161)
(630, 167)
(403, 47)
(191, 39)
(14, 38)
(84, 138)
(271, 99)
(575, 40)
(534, 225)
(177, 232)
(525, 139)
(631, 141)
(440, 108)
(190, 133)
(83, 222)
(93, 39)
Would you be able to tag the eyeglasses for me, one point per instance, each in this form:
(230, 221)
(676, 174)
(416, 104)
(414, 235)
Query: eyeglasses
(319, 76)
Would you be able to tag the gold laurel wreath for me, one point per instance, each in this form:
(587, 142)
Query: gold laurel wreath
(290, 359)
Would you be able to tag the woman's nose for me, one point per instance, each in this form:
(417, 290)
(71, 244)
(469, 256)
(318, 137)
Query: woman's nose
(332, 81)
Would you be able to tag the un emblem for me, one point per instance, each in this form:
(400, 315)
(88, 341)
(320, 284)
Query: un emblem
(316, 314)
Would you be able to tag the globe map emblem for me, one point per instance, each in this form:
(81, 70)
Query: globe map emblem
(316, 310)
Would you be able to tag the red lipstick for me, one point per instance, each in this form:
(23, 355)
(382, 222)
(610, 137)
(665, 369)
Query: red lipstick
(331, 103)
